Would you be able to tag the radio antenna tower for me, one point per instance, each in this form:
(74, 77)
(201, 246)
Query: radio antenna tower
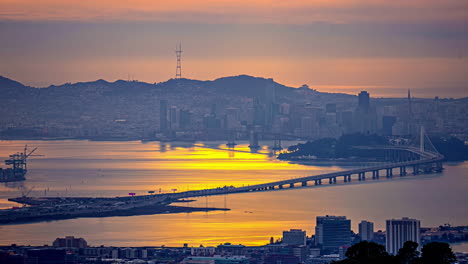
(178, 74)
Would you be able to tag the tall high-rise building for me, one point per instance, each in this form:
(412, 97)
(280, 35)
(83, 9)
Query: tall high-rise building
(365, 116)
(401, 230)
(173, 117)
(163, 115)
(184, 119)
(331, 232)
(363, 102)
(294, 237)
(366, 230)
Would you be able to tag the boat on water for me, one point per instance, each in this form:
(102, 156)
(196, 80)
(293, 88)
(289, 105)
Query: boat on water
(18, 166)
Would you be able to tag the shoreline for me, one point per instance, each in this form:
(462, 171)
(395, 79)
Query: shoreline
(144, 210)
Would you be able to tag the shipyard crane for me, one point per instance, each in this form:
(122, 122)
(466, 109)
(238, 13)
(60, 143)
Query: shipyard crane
(26, 192)
(18, 160)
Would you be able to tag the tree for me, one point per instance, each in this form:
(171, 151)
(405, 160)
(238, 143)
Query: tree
(367, 253)
(437, 253)
(408, 254)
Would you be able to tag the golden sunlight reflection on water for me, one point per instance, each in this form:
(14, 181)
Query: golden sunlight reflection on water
(84, 168)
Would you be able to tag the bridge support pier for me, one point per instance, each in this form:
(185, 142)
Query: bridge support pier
(304, 183)
(415, 170)
(318, 182)
(291, 185)
(438, 167)
(375, 174)
(389, 172)
(280, 186)
(402, 171)
(347, 178)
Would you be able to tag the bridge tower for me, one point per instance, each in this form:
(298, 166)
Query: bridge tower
(231, 139)
(253, 140)
(277, 143)
(422, 135)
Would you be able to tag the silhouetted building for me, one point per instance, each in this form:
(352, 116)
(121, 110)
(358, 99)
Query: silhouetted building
(173, 117)
(365, 117)
(387, 125)
(184, 119)
(363, 102)
(283, 259)
(49, 256)
(366, 230)
(216, 260)
(70, 242)
(258, 113)
(227, 249)
(400, 231)
(163, 115)
(294, 237)
(331, 232)
(11, 258)
(330, 108)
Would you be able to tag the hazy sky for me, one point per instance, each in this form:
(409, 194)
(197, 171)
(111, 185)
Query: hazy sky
(348, 45)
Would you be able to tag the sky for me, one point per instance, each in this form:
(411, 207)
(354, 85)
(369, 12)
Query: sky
(385, 47)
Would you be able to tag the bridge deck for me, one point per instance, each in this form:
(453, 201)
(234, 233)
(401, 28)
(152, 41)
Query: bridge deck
(426, 158)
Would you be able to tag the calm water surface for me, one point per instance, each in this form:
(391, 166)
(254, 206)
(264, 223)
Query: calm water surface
(83, 168)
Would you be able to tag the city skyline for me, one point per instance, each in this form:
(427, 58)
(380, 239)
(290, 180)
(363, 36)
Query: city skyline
(233, 132)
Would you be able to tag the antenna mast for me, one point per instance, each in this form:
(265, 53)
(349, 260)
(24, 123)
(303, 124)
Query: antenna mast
(179, 66)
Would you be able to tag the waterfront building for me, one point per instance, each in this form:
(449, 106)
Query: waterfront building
(366, 230)
(331, 232)
(401, 230)
(294, 237)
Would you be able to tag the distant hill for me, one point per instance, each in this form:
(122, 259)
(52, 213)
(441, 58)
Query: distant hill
(241, 85)
(6, 83)
(12, 89)
(247, 85)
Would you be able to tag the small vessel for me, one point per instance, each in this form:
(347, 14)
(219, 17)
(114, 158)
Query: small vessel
(18, 166)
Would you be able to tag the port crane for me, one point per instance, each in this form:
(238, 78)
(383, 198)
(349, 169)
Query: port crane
(18, 160)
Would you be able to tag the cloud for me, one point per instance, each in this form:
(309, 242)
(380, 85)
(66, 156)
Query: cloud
(240, 11)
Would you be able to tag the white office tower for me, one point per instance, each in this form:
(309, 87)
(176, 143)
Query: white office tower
(400, 231)
(366, 230)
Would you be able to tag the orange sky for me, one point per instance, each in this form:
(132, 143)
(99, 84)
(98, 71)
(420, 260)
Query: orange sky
(417, 44)
(239, 11)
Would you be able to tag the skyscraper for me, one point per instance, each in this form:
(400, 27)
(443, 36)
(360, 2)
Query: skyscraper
(363, 103)
(365, 116)
(400, 231)
(294, 237)
(366, 230)
(331, 232)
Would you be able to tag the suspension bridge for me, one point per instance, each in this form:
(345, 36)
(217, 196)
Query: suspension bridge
(421, 157)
